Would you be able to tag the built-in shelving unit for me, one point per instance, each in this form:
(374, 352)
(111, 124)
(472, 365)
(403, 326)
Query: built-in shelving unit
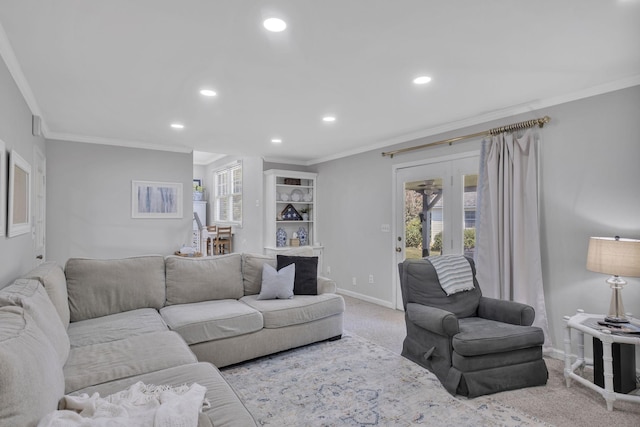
(290, 207)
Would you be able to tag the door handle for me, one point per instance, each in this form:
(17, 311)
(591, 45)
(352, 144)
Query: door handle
(398, 249)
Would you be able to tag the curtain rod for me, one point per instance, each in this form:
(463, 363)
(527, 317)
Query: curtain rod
(508, 128)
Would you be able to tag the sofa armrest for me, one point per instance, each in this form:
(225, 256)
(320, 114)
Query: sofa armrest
(326, 285)
(436, 320)
(506, 311)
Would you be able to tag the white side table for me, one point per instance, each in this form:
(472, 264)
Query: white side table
(581, 324)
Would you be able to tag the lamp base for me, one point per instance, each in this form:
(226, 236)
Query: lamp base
(610, 319)
(616, 308)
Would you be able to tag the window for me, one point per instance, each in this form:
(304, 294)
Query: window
(439, 207)
(228, 194)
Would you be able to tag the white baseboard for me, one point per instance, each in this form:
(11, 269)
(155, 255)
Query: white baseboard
(555, 353)
(366, 298)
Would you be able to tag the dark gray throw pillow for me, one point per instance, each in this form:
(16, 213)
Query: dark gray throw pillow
(306, 281)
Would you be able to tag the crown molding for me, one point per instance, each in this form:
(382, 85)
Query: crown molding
(9, 57)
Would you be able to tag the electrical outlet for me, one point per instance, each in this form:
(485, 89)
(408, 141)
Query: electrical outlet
(353, 281)
(385, 228)
(371, 278)
(328, 270)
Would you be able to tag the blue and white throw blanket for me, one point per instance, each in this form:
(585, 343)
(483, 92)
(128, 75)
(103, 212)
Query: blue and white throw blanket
(454, 273)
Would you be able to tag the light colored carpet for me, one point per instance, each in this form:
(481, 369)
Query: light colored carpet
(354, 382)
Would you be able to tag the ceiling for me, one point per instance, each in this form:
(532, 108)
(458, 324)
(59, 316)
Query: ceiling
(120, 72)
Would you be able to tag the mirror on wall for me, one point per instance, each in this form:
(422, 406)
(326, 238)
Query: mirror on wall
(19, 195)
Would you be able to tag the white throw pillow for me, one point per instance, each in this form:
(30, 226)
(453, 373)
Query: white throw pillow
(277, 284)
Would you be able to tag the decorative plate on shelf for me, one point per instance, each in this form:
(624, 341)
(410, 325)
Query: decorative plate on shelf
(281, 238)
(296, 195)
(303, 236)
(307, 197)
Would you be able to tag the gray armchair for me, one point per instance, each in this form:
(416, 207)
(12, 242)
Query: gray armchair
(473, 344)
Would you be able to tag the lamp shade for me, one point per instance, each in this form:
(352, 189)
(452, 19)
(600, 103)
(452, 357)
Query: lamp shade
(615, 256)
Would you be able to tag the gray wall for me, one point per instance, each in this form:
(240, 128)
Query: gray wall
(89, 201)
(17, 253)
(589, 186)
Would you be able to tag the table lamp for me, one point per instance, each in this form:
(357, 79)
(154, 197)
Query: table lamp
(619, 257)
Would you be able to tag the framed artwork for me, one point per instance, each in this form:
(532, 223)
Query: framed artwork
(156, 199)
(3, 188)
(197, 183)
(19, 196)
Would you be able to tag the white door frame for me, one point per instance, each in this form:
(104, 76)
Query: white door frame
(397, 228)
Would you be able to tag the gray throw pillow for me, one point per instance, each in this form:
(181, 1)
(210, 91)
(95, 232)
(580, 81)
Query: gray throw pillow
(277, 283)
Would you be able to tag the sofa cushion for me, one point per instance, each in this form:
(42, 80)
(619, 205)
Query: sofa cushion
(203, 279)
(99, 363)
(495, 360)
(115, 327)
(479, 336)
(300, 309)
(31, 295)
(226, 408)
(277, 284)
(306, 281)
(211, 320)
(252, 265)
(52, 278)
(31, 381)
(100, 287)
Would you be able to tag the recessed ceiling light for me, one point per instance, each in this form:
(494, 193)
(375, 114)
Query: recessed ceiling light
(274, 24)
(422, 80)
(177, 126)
(329, 119)
(208, 92)
(276, 140)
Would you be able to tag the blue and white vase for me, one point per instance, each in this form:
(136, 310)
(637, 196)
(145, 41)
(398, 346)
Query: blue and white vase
(281, 238)
(303, 236)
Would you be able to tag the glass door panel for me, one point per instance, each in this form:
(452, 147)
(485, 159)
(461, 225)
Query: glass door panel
(423, 219)
(469, 206)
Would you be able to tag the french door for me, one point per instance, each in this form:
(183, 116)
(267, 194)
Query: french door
(435, 206)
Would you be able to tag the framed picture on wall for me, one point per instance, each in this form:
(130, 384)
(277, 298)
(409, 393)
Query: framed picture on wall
(19, 196)
(3, 188)
(156, 199)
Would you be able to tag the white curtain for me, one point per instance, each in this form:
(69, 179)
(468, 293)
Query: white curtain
(508, 236)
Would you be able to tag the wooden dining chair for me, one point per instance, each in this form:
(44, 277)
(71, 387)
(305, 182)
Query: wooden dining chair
(223, 242)
(211, 237)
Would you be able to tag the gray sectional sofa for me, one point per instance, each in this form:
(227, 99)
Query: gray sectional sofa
(104, 325)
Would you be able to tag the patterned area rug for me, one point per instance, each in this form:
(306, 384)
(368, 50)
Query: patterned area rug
(354, 382)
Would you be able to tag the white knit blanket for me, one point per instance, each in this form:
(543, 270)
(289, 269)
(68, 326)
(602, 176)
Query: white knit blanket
(454, 273)
(139, 405)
